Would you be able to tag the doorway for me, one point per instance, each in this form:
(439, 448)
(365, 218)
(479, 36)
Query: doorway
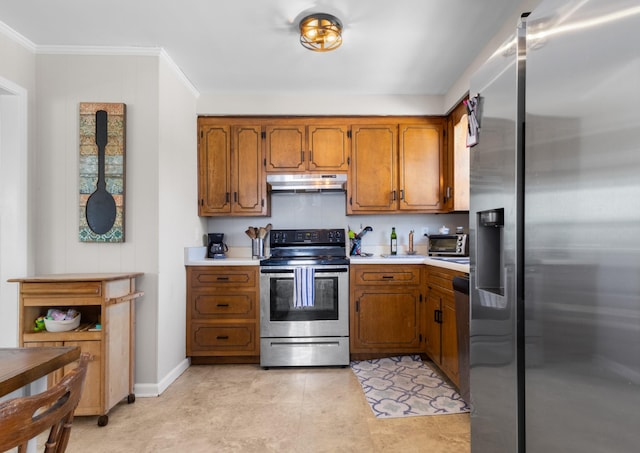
(14, 226)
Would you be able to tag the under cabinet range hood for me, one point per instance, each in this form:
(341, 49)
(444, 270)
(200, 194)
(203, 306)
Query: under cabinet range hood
(305, 182)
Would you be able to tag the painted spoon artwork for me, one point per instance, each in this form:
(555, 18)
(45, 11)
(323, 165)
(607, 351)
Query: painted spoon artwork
(101, 207)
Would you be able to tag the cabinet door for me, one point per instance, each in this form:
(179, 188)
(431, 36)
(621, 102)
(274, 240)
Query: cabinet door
(285, 148)
(91, 402)
(54, 377)
(386, 320)
(421, 164)
(432, 326)
(328, 148)
(449, 340)
(373, 172)
(214, 169)
(247, 170)
(457, 167)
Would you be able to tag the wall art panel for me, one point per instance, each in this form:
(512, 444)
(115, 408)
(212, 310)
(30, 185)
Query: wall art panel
(102, 172)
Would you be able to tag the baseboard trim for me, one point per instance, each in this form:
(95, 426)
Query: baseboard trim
(153, 390)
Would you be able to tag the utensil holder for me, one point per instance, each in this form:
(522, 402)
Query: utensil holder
(257, 248)
(356, 247)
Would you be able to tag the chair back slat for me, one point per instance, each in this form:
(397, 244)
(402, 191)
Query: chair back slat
(26, 417)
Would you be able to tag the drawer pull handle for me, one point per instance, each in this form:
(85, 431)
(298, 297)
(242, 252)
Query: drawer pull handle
(222, 305)
(387, 276)
(223, 278)
(222, 337)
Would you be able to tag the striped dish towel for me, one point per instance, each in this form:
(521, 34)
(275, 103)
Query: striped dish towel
(303, 288)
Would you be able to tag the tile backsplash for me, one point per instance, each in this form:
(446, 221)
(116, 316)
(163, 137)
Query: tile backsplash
(327, 210)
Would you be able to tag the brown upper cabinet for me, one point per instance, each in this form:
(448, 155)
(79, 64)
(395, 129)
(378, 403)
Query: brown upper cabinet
(397, 167)
(296, 148)
(457, 176)
(395, 164)
(231, 177)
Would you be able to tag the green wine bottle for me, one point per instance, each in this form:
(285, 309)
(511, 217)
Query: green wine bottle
(394, 241)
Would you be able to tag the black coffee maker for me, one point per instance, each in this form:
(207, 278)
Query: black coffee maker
(216, 247)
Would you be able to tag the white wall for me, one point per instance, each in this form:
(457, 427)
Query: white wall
(63, 82)
(305, 104)
(178, 222)
(309, 210)
(461, 86)
(17, 94)
(161, 216)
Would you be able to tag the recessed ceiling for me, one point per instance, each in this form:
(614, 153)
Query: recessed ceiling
(414, 47)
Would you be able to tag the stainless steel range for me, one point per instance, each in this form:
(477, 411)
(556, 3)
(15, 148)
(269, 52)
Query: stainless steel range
(304, 299)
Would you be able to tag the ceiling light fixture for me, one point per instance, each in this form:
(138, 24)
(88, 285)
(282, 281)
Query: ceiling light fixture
(320, 32)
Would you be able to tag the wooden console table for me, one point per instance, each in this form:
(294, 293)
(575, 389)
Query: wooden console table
(104, 298)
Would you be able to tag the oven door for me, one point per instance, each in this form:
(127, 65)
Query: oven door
(328, 316)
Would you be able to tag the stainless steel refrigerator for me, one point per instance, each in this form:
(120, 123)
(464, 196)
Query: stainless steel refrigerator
(555, 234)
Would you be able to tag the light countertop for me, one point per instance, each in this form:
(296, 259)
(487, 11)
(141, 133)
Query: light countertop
(409, 259)
(196, 256)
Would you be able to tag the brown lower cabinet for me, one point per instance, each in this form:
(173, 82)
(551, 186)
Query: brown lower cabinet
(440, 339)
(393, 309)
(223, 314)
(385, 307)
(104, 298)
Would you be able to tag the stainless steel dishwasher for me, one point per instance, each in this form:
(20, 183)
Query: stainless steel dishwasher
(461, 294)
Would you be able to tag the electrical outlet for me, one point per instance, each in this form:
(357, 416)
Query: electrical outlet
(425, 231)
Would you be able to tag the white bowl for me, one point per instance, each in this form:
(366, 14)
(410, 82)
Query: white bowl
(62, 326)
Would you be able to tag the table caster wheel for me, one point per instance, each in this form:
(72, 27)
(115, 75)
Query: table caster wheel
(131, 398)
(103, 420)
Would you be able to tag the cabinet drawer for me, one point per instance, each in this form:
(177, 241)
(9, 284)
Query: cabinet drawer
(441, 279)
(224, 277)
(222, 304)
(386, 275)
(223, 339)
(61, 289)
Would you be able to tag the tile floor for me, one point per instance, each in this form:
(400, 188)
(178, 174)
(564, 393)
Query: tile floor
(243, 408)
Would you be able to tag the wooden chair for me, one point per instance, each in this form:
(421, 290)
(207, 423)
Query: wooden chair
(24, 418)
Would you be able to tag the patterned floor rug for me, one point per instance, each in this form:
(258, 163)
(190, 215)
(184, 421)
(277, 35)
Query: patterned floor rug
(404, 387)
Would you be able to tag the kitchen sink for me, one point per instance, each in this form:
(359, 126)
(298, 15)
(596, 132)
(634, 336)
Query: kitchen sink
(452, 259)
(403, 256)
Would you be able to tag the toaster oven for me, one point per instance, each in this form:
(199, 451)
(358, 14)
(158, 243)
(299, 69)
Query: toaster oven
(449, 244)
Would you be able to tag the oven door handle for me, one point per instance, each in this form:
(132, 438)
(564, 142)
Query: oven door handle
(317, 270)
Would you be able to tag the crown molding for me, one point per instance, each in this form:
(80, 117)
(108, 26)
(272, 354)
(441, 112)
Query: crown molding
(99, 51)
(121, 51)
(181, 75)
(17, 37)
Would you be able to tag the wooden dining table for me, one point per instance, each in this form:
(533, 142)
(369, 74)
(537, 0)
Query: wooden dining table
(20, 367)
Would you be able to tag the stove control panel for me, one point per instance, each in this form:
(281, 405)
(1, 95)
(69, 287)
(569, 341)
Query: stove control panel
(307, 237)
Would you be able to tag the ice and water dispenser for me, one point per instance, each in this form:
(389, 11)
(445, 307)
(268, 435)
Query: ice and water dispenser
(489, 251)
